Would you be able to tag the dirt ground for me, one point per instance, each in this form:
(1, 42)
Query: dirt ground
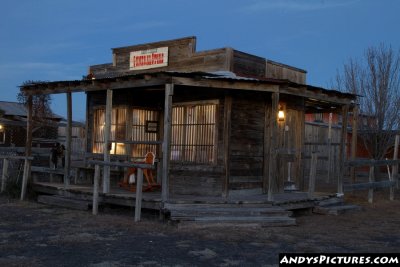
(33, 234)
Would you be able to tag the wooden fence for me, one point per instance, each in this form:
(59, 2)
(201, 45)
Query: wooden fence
(372, 184)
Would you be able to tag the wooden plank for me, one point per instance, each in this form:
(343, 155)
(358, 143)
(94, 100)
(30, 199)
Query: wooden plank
(121, 164)
(372, 162)
(166, 146)
(68, 144)
(369, 185)
(4, 175)
(28, 147)
(139, 193)
(226, 138)
(313, 172)
(63, 202)
(106, 150)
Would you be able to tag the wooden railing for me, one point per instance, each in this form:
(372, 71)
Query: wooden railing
(139, 182)
(4, 175)
(372, 184)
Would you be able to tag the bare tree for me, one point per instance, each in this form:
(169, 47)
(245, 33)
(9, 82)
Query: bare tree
(43, 124)
(375, 77)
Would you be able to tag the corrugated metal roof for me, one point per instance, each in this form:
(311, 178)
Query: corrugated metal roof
(18, 109)
(13, 108)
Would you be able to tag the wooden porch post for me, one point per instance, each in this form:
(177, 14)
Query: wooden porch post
(166, 145)
(68, 141)
(267, 145)
(227, 135)
(354, 142)
(28, 149)
(342, 148)
(272, 149)
(106, 150)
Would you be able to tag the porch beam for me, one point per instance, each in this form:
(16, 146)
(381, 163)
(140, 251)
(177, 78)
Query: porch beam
(166, 145)
(106, 149)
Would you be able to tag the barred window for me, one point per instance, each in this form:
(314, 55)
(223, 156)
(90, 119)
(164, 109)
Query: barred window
(119, 117)
(118, 130)
(140, 131)
(194, 132)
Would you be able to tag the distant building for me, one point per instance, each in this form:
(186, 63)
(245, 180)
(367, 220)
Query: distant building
(13, 117)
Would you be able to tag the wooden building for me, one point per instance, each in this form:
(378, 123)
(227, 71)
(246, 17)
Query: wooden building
(220, 122)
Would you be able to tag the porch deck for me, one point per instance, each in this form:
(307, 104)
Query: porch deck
(152, 200)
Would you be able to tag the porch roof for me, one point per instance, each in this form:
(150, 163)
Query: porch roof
(222, 80)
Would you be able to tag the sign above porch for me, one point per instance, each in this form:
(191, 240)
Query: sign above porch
(148, 59)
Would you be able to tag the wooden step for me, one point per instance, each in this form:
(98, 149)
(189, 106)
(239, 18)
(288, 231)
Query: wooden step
(64, 202)
(227, 212)
(336, 210)
(265, 221)
(260, 214)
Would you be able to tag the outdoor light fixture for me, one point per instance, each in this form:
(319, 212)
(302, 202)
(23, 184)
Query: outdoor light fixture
(281, 114)
(1, 127)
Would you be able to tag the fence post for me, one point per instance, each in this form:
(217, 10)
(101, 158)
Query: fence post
(313, 173)
(25, 177)
(139, 185)
(395, 168)
(96, 189)
(371, 179)
(4, 175)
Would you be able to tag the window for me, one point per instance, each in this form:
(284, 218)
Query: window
(143, 127)
(318, 117)
(118, 130)
(194, 132)
(2, 135)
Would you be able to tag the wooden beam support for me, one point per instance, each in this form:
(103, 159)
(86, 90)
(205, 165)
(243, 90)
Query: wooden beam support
(267, 145)
(95, 206)
(272, 173)
(371, 179)
(68, 144)
(106, 150)
(4, 175)
(227, 137)
(354, 141)
(166, 146)
(342, 149)
(28, 147)
(139, 194)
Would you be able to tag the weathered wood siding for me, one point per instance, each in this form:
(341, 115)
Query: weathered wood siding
(316, 140)
(182, 56)
(199, 179)
(248, 65)
(246, 141)
(281, 71)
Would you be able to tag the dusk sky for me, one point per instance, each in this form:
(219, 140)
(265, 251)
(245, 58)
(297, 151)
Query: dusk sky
(52, 40)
